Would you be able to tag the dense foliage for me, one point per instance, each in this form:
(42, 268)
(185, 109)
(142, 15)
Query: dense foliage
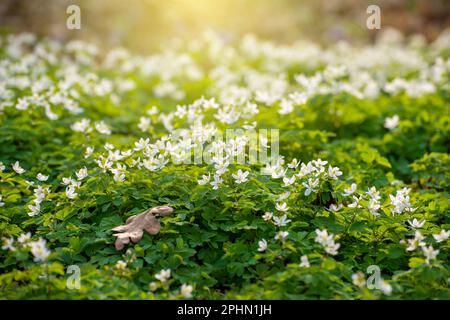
(87, 140)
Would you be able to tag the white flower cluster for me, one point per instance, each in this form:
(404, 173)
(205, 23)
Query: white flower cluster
(38, 248)
(278, 221)
(72, 184)
(106, 163)
(40, 194)
(17, 168)
(418, 242)
(163, 275)
(84, 126)
(311, 173)
(327, 241)
(343, 69)
(401, 201)
(55, 87)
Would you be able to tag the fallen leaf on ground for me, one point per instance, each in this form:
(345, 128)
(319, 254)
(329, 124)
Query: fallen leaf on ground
(135, 225)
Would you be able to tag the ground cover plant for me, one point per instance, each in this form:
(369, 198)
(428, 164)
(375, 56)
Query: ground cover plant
(354, 206)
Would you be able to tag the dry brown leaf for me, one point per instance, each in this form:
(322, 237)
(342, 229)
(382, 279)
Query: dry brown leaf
(135, 225)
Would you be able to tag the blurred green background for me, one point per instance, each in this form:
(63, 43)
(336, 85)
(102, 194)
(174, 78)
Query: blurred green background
(142, 25)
